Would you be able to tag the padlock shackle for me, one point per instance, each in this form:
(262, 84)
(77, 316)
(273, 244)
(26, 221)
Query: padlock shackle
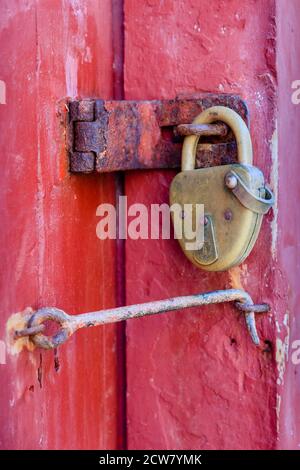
(234, 121)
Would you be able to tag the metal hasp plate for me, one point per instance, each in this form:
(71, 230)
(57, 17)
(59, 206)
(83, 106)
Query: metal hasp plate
(106, 136)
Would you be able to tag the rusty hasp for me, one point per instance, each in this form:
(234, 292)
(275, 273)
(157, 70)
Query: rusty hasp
(68, 324)
(106, 136)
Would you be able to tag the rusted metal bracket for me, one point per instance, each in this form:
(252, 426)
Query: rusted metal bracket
(107, 136)
(35, 324)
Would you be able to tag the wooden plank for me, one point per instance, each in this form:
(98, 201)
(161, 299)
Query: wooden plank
(196, 381)
(49, 250)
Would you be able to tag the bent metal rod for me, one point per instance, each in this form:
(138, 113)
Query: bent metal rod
(68, 324)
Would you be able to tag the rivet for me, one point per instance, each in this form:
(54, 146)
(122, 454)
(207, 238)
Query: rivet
(231, 181)
(228, 214)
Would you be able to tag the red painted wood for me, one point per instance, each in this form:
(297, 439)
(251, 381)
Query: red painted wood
(194, 378)
(49, 250)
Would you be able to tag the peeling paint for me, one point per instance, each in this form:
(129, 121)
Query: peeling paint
(282, 351)
(71, 75)
(278, 405)
(88, 56)
(76, 48)
(18, 321)
(238, 276)
(281, 357)
(278, 328)
(274, 183)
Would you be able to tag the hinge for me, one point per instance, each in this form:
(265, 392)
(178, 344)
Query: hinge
(107, 136)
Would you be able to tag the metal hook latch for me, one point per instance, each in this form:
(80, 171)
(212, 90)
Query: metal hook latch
(71, 323)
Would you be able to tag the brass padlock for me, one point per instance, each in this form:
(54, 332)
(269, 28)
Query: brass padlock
(235, 198)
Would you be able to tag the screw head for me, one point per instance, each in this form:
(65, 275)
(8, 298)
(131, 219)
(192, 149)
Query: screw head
(228, 215)
(231, 181)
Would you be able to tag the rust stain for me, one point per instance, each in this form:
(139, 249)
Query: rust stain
(40, 371)
(18, 321)
(106, 136)
(237, 276)
(56, 361)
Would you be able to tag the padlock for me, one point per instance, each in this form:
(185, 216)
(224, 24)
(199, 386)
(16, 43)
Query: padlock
(234, 196)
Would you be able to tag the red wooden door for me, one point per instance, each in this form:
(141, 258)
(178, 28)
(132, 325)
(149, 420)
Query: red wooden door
(192, 381)
(193, 386)
(50, 254)
(196, 381)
